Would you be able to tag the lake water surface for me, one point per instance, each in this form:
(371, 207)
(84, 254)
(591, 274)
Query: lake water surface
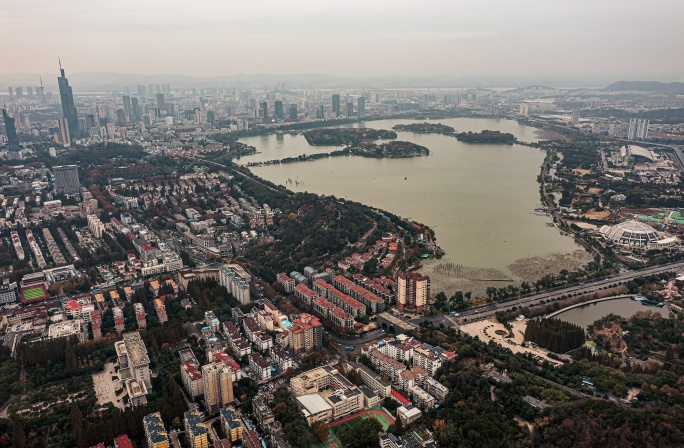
(479, 198)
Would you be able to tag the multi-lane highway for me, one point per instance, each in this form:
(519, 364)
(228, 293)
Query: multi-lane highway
(489, 310)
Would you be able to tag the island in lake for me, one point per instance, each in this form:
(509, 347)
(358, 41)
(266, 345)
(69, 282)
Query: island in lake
(426, 128)
(345, 136)
(486, 136)
(389, 150)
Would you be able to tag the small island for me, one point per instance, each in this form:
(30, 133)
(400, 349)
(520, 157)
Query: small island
(486, 136)
(390, 150)
(345, 136)
(425, 128)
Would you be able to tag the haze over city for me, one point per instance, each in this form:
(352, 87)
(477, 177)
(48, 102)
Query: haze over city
(493, 40)
(360, 224)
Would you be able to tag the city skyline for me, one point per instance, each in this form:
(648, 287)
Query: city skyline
(494, 38)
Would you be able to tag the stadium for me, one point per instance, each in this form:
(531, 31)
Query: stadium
(631, 233)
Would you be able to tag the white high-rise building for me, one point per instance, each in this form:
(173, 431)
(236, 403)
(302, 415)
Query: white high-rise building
(638, 129)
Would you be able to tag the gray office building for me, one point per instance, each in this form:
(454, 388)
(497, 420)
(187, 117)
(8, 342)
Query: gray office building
(336, 105)
(362, 107)
(11, 131)
(66, 179)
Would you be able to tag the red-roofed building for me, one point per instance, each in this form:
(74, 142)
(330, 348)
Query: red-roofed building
(347, 303)
(373, 302)
(303, 292)
(341, 319)
(306, 334)
(192, 379)
(401, 398)
(342, 283)
(286, 282)
(322, 287)
(323, 306)
(123, 442)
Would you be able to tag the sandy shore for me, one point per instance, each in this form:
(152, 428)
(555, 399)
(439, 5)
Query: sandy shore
(534, 268)
(450, 277)
(547, 134)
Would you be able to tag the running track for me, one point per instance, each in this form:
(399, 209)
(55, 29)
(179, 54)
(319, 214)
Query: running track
(359, 414)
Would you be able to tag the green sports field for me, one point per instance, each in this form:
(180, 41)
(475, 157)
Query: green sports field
(34, 293)
(333, 442)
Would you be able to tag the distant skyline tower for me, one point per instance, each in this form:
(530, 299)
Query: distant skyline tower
(350, 110)
(68, 107)
(362, 107)
(336, 104)
(29, 92)
(575, 117)
(293, 112)
(127, 106)
(160, 101)
(135, 108)
(264, 109)
(278, 109)
(11, 93)
(211, 117)
(11, 131)
(20, 92)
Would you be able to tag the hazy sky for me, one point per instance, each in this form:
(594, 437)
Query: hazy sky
(621, 38)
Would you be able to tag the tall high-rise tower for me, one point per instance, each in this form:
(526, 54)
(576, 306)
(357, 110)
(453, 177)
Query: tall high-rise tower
(11, 131)
(336, 105)
(68, 106)
(362, 107)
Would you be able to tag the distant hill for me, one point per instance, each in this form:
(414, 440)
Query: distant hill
(647, 86)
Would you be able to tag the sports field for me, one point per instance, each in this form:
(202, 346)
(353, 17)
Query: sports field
(34, 293)
(377, 413)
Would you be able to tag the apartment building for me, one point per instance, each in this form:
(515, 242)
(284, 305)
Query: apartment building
(155, 433)
(196, 431)
(232, 427)
(218, 386)
(306, 334)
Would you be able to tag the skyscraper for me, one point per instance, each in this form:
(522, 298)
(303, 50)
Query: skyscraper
(68, 107)
(66, 179)
(135, 108)
(336, 105)
(64, 134)
(11, 93)
(350, 109)
(127, 106)
(20, 92)
(264, 109)
(278, 109)
(293, 111)
(575, 117)
(211, 117)
(160, 101)
(362, 107)
(11, 131)
(638, 129)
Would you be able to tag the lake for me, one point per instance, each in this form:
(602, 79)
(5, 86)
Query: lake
(588, 314)
(479, 198)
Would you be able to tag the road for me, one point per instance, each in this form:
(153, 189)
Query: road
(486, 311)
